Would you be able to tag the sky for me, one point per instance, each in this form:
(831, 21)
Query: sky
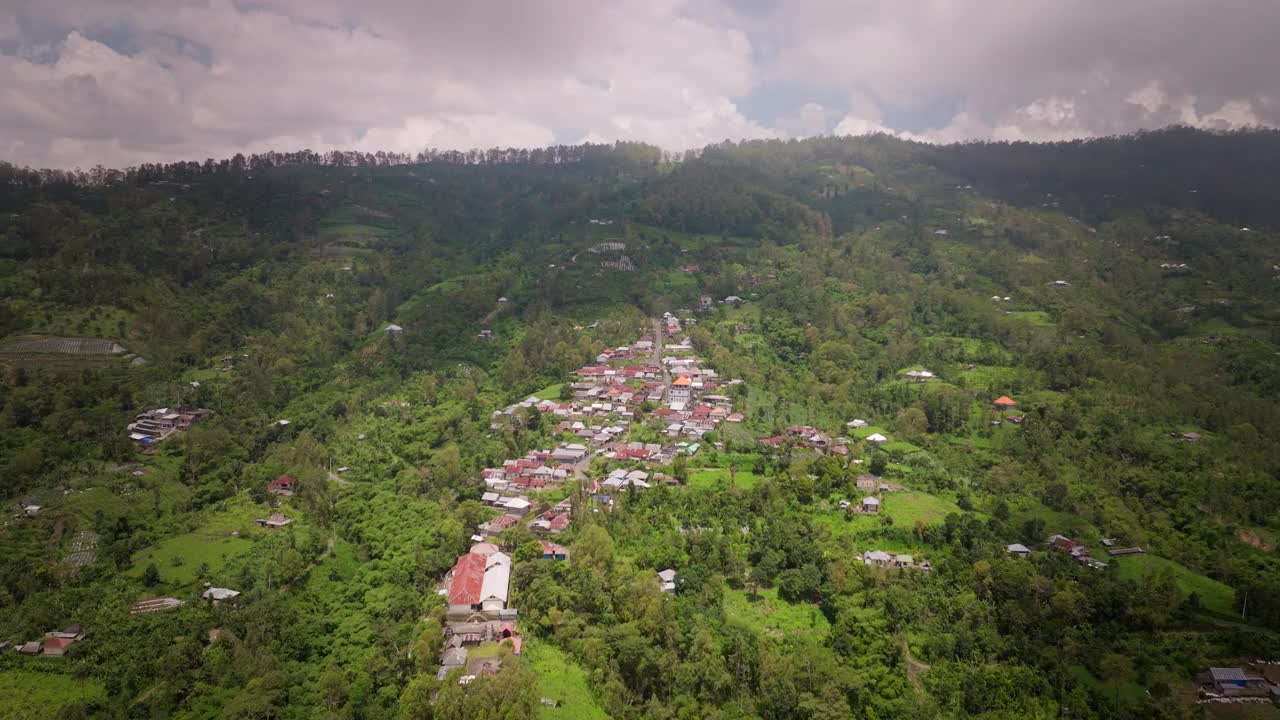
(121, 82)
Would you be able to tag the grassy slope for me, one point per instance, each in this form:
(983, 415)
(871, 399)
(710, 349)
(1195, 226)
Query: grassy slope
(769, 615)
(562, 679)
(1214, 596)
(36, 695)
(711, 477)
(212, 543)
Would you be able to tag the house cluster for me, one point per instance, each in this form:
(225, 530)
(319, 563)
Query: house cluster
(555, 520)
(1078, 551)
(869, 504)
(882, 559)
(806, 436)
(55, 643)
(477, 591)
(153, 426)
(537, 469)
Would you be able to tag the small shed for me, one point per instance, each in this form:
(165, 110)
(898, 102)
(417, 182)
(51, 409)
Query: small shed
(667, 580)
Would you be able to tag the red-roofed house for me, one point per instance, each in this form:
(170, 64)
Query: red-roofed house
(57, 646)
(465, 582)
(1004, 402)
(551, 551)
(283, 486)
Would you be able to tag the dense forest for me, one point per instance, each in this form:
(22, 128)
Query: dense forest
(360, 323)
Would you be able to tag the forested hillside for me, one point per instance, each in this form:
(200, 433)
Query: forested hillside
(984, 430)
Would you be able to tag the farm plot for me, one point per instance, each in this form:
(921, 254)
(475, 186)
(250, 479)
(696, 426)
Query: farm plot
(63, 346)
(84, 548)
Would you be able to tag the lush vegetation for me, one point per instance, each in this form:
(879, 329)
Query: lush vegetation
(259, 288)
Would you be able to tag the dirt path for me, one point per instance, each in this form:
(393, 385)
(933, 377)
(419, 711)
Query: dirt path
(914, 666)
(658, 343)
(338, 479)
(55, 539)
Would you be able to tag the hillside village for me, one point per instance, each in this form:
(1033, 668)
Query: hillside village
(815, 429)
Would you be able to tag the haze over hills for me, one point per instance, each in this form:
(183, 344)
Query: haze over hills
(836, 427)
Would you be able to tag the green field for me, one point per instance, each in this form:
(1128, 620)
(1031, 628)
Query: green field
(212, 543)
(1214, 596)
(190, 551)
(1038, 318)
(984, 376)
(907, 507)
(551, 392)
(712, 477)
(562, 679)
(772, 616)
(131, 497)
(36, 695)
(900, 447)
(98, 321)
(868, 431)
(904, 508)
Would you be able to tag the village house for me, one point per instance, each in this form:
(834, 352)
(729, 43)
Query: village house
(869, 483)
(56, 646)
(277, 520)
(392, 331)
(856, 424)
(877, 558)
(876, 439)
(1235, 683)
(217, 595)
(680, 393)
(882, 559)
(667, 580)
(870, 505)
(551, 551)
(1018, 550)
(283, 486)
(517, 506)
(1004, 402)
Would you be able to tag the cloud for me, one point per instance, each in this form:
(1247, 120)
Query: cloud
(212, 78)
(126, 81)
(1032, 68)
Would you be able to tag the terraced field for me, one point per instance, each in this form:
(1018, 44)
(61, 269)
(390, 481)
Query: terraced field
(62, 346)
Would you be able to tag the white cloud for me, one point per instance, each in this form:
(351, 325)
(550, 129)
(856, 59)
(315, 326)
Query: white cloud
(201, 78)
(1037, 69)
(383, 75)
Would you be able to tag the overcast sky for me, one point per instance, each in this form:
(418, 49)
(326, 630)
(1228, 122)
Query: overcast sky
(120, 82)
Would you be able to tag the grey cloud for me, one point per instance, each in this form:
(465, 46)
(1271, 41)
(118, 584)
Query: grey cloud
(1005, 56)
(199, 78)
